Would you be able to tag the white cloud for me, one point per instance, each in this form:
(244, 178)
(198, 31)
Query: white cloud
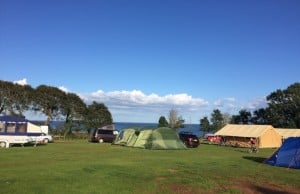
(138, 98)
(218, 103)
(226, 102)
(22, 82)
(255, 104)
(230, 99)
(63, 88)
(136, 104)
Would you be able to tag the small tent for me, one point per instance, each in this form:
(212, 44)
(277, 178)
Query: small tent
(288, 155)
(156, 139)
(239, 135)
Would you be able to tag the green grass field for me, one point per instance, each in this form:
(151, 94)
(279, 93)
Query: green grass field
(82, 167)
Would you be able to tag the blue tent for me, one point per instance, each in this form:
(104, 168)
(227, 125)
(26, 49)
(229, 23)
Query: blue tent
(288, 155)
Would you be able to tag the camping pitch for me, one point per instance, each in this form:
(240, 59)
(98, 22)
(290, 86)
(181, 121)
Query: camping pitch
(156, 139)
(288, 155)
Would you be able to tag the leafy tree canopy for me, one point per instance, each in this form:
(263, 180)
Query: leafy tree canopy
(97, 115)
(217, 120)
(204, 124)
(284, 107)
(162, 122)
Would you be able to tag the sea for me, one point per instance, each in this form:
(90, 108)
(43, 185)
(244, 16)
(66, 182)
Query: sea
(192, 128)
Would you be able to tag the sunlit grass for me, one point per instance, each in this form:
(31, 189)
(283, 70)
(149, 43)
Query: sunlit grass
(82, 167)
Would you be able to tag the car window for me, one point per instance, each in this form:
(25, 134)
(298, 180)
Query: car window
(108, 132)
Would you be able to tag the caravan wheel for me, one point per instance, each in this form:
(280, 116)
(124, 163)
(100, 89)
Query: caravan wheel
(2, 144)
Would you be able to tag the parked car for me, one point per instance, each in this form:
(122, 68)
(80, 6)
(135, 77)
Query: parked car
(213, 138)
(42, 138)
(189, 139)
(103, 135)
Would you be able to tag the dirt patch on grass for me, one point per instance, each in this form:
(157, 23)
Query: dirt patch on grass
(247, 187)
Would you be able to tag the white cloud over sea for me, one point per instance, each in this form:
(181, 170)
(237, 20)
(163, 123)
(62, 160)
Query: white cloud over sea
(137, 106)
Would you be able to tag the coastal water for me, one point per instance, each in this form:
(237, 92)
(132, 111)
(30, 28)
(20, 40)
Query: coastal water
(193, 128)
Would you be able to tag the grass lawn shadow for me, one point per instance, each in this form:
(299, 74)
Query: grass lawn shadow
(255, 159)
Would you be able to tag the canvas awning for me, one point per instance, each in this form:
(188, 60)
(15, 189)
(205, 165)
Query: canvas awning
(243, 130)
(286, 133)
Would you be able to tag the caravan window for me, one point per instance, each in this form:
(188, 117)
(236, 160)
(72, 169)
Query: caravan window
(2, 127)
(21, 128)
(11, 127)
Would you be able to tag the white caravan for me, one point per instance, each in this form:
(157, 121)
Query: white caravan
(14, 130)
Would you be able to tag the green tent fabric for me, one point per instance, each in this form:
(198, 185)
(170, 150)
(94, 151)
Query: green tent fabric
(132, 139)
(144, 139)
(147, 138)
(124, 136)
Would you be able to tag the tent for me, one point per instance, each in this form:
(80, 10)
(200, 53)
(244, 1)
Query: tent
(286, 133)
(156, 139)
(288, 155)
(126, 137)
(239, 135)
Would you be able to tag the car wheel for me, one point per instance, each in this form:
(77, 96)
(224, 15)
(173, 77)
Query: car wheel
(46, 141)
(100, 140)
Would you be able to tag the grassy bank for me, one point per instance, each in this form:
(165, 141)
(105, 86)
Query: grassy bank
(82, 167)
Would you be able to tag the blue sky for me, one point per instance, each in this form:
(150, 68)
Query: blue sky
(144, 58)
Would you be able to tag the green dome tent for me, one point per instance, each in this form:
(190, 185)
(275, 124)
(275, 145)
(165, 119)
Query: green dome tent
(156, 139)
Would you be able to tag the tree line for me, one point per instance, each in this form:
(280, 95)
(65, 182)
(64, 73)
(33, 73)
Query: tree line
(175, 121)
(56, 104)
(282, 111)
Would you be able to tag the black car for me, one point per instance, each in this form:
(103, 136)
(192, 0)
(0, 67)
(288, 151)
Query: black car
(102, 135)
(189, 139)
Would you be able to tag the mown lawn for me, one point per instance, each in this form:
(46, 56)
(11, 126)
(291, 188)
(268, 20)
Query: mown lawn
(82, 167)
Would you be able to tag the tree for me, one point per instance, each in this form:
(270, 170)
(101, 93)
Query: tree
(162, 122)
(217, 120)
(5, 96)
(235, 119)
(97, 115)
(49, 100)
(226, 117)
(175, 121)
(260, 116)
(245, 116)
(23, 99)
(15, 98)
(284, 107)
(73, 108)
(204, 124)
